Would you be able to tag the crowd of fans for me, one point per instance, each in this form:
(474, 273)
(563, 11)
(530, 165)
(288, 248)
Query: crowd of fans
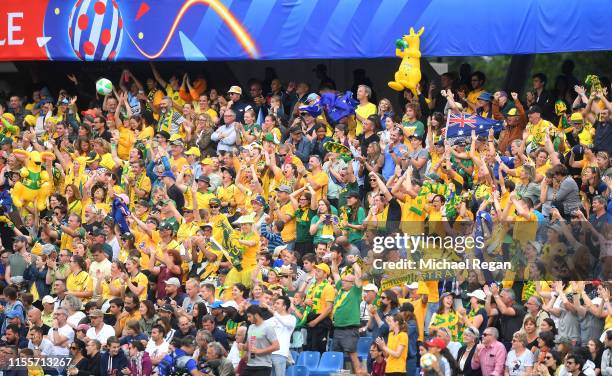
(193, 230)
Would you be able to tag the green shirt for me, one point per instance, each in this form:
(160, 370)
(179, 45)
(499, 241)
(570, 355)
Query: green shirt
(349, 187)
(325, 231)
(346, 306)
(302, 221)
(419, 128)
(356, 235)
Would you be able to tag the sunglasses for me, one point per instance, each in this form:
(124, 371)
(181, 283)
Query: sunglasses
(214, 206)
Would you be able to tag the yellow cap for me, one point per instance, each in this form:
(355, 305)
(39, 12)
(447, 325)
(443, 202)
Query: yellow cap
(193, 151)
(576, 116)
(30, 120)
(512, 112)
(9, 117)
(324, 267)
(207, 161)
(175, 137)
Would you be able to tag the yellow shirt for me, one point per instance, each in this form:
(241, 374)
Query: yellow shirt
(538, 131)
(419, 313)
(80, 282)
(249, 256)
(397, 364)
(322, 180)
(179, 163)
(364, 111)
(472, 98)
(525, 229)
(327, 297)
(585, 137)
(210, 112)
(431, 289)
(126, 141)
(106, 291)
(141, 280)
(289, 231)
(174, 94)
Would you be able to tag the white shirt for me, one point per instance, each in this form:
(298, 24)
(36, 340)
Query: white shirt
(45, 347)
(102, 336)
(283, 327)
(156, 350)
(64, 331)
(75, 319)
(104, 267)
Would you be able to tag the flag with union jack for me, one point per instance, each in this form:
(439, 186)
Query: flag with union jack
(462, 125)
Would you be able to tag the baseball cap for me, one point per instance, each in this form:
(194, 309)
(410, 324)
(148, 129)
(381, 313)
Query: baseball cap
(173, 282)
(203, 178)
(96, 313)
(284, 188)
(513, 112)
(413, 286)
(83, 327)
(370, 287)
(193, 151)
(295, 129)
(485, 96)
(168, 174)
(48, 249)
(436, 342)
(352, 194)
(576, 116)
(534, 109)
(478, 294)
(270, 138)
(323, 267)
(167, 308)
(207, 161)
(48, 299)
(216, 304)
(260, 200)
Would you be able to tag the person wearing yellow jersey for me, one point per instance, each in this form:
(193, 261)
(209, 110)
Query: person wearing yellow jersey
(537, 128)
(446, 316)
(247, 244)
(79, 283)
(396, 347)
(477, 80)
(138, 184)
(364, 109)
(203, 195)
(345, 312)
(135, 281)
(218, 221)
(226, 193)
(172, 87)
(319, 305)
(282, 209)
(203, 107)
(177, 159)
(318, 179)
(206, 254)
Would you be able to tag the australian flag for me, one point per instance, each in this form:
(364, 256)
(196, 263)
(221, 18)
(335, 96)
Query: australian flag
(462, 125)
(338, 106)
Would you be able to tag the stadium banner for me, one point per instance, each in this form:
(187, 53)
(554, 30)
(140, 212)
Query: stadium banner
(128, 30)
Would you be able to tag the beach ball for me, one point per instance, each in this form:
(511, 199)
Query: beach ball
(95, 29)
(427, 360)
(104, 86)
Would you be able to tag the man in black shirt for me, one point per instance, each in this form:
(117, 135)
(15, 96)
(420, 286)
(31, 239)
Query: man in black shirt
(174, 193)
(510, 313)
(369, 136)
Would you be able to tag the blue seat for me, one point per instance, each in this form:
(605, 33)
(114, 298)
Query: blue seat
(297, 371)
(331, 362)
(310, 359)
(295, 355)
(363, 347)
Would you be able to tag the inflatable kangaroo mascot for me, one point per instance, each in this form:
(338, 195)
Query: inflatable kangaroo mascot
(408, 74)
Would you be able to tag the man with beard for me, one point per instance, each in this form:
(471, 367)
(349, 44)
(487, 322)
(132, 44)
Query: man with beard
(220, 365)
(169, 120)
(319, 302)
(131, 312)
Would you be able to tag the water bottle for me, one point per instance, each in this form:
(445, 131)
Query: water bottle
(252, 342)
